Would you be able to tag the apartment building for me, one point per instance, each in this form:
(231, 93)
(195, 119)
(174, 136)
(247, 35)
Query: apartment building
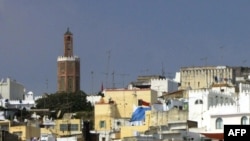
(205, 76)
(11, 89)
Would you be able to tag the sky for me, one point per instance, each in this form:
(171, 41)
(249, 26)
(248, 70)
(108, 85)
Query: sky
(119, 40)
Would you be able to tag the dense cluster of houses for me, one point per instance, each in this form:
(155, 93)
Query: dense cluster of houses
(193, 106)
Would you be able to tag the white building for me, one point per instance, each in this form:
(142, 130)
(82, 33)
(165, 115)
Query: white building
(177, 77)
(27, 103)
(216, 107)
(11, 89)
(158, 83)
(163, 85)
(93, 99)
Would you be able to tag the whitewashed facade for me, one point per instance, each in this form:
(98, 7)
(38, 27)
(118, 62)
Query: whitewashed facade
(163, 85)
(11, 89)
(93, 99)
(27, 103)
(213, 108)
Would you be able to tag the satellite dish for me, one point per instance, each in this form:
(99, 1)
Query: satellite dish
(15, 119)
(58, 114)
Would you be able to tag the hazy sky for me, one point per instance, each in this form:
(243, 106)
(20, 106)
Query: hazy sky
(127, 37)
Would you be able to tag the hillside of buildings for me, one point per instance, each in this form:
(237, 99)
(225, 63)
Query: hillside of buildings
(196, 105)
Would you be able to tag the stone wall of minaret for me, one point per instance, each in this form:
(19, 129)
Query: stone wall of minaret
(68, 67)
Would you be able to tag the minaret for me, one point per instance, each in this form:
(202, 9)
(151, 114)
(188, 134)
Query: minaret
(68, 67)
(68, 44)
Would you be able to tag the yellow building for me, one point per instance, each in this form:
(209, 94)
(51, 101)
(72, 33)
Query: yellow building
(4, 125)
(65, 127)
(126, 99)
(104, 115)
(25, 132)
(113, 112)
(68, 127)
(205, 76)
(129, 131)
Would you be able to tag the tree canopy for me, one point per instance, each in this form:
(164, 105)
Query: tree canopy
(65, 102)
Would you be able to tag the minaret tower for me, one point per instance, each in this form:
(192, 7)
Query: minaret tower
(68, 67)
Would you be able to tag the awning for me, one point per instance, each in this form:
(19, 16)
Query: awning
(219, 136)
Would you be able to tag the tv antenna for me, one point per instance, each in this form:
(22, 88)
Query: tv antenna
(123, 75)
(113, 79)
(92, 81)
(107, 71)
(162, 70)
(222, 47)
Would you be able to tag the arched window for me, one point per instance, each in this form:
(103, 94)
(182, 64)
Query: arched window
(219, 123)
(68, 38)
(198, 101)
(244, 120)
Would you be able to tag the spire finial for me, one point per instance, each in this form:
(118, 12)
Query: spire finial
(68, 32)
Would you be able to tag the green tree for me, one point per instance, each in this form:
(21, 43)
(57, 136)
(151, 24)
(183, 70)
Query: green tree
(65, 102)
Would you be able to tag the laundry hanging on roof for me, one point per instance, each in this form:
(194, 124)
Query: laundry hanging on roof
(139, 114)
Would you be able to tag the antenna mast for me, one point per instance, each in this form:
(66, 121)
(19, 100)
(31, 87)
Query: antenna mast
(222, 47)
(123, 74)
(92, 81)
(162, 70)
(113, 79)
(46, 83)
(107, 73)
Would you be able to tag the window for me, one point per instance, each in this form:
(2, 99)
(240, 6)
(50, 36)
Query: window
(244, 120)
(68, 127)
(19, 134)
(61, 81)
(74, 127)
(63, 127)
(221, 100)
(198, 101)
(4, 127)
(70, 83)
(226, 100)
(62, 67)
(102, 124)
(219, 123)
(118, 123)
(68, 38)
